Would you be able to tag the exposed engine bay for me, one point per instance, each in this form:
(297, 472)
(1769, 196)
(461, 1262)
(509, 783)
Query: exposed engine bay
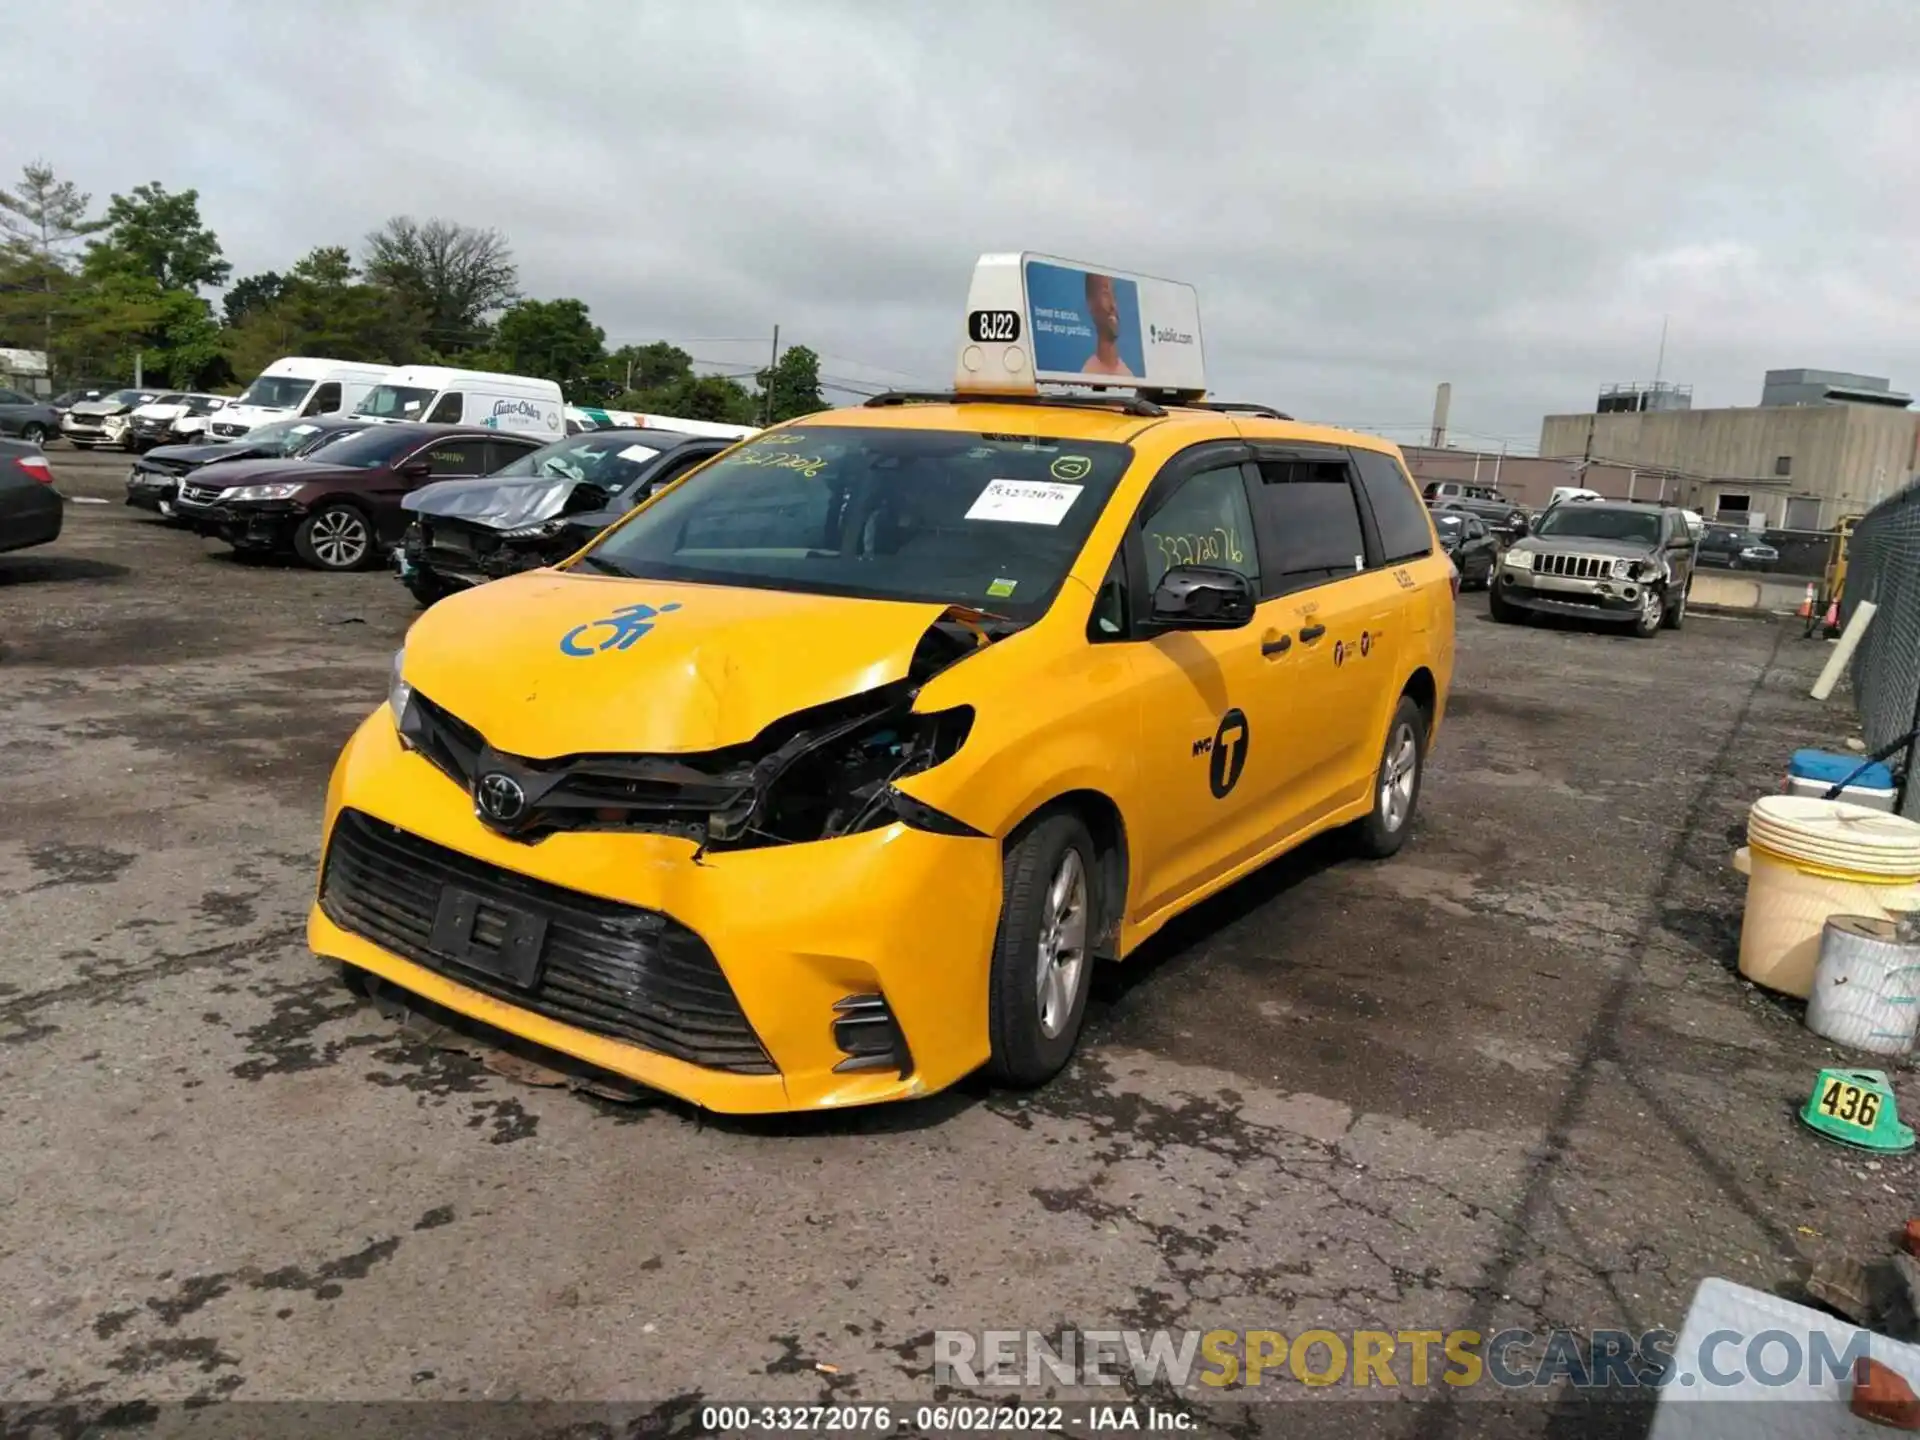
(816, 774)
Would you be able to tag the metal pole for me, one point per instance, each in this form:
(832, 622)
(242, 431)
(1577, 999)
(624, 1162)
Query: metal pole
(139, 376)
(766, 400)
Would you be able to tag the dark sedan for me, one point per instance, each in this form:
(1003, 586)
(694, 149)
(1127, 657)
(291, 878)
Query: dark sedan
(30, 508)
(541, 508)
(154, 481)
(339, 509)
(35, 421)
(1469, 544)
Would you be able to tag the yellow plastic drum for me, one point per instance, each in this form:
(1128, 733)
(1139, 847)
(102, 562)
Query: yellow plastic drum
(1808, 859)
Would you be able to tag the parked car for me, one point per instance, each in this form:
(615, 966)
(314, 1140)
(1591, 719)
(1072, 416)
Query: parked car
(1733, 548)
(68, 398)
(1611, 560)
(339, 509)
(154, 481)
(106, 421)
(539, 509)
(1501, 515)
(35, 421)
(30, 508)
(173, 419)
(1469, 544)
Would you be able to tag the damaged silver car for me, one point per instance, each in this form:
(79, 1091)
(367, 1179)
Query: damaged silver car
(539, 509)
(1607, 560)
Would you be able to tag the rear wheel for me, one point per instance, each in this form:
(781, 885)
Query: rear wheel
(336, 537)
(1043, 951)
(1396, 784)
(34, 433)
(1676, 615)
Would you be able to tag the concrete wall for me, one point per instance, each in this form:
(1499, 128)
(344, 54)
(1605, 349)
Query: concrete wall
(1843, 456)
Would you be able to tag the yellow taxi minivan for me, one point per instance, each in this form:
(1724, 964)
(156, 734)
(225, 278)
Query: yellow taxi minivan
(826, 776)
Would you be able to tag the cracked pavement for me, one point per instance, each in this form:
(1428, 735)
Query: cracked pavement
(1508, 1078)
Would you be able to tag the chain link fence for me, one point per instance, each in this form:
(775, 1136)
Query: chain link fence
(1883, 565)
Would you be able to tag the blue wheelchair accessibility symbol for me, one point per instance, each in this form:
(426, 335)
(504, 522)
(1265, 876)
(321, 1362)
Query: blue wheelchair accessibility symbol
(626, 625)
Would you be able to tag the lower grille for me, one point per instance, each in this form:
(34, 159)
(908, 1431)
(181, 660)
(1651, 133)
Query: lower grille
(1574, 567)
(616, 970)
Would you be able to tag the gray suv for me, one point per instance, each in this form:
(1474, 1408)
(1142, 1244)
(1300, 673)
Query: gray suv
(1601, 560)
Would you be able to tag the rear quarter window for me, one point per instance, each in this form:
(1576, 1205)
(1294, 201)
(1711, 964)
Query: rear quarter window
(1397, 512)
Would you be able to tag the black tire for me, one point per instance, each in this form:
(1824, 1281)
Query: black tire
(1396, 783)
(1649, 623)
(338, 537)
(1501, 611)
(1675, 614)
(1019, 1011)
(34, 433)
(426, 588)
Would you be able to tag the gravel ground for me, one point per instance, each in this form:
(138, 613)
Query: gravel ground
(1509, 1078)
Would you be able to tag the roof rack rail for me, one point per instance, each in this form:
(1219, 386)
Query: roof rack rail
(1126, 404)
(1240, 407)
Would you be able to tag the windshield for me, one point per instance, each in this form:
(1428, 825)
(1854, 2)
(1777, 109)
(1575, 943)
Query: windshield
(1591, 522)
(321, 438)
(611, 460)
(130, 397)
(991, 521)
(395, 402)
(275, 392)
(370, 448)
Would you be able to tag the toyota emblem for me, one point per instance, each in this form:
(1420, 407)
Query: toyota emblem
(499, 798)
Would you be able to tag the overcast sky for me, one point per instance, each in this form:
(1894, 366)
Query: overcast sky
(1371, 197)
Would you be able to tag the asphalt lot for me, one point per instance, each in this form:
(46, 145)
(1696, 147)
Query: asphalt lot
(1507, 1078)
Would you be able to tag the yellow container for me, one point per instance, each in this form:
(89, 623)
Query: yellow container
(1788, 904)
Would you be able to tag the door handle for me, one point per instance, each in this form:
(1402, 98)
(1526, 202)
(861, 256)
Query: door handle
(1276, 647)
(1311, 633)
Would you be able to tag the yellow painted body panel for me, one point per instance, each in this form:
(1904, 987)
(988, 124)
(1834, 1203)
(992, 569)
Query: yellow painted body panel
(896, 910)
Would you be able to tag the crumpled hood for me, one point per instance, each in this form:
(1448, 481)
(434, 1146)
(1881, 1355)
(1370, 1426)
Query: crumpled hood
(193, 455)
(543, 666)
(98, 407)
(497, 504)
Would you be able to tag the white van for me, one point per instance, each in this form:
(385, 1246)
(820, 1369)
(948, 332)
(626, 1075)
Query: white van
(297, 385)
(467, 397)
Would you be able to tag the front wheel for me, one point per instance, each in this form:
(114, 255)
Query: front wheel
(335, 537)
(1652, 614)
(427, 588)
(1676, 615)
(1396, 784)
(1043, 951)
(34, 433)
(1501, 611)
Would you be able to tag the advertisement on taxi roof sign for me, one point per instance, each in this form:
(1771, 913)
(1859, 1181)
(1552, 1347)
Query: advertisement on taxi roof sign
(1037, 319)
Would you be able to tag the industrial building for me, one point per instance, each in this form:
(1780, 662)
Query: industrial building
(1820, 446)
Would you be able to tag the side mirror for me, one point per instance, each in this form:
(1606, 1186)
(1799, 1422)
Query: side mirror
(1202, 597)
(416, 469)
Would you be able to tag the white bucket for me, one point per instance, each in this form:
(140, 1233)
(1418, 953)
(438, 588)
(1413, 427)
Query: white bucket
(1788, 904)
(1866, 987)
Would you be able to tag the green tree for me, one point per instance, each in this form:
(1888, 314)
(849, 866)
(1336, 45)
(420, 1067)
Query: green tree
(163, 235)
(325, 308)
(647, 367)
(42, 223)
(454, 275)
(552, 339)
(792, 386)
(696, 397)
(251, 293)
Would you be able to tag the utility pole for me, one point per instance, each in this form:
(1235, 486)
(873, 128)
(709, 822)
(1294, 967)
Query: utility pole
(766, 400)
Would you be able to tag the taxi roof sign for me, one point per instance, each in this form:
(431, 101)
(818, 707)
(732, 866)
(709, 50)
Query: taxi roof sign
(1037, 319)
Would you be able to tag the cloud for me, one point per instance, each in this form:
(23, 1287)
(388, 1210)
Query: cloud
(1371, 198)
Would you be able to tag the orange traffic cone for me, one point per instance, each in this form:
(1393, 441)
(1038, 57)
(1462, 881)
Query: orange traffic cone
(1806, 605)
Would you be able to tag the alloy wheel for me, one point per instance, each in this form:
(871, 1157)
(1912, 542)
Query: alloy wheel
(1062, 951)
(340, 539)
(1398, 774)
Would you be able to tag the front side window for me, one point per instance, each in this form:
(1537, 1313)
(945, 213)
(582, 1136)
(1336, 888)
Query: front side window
(371, 448)
(395, 402)
(326, 399)
(1204, 522)
(446, 410)
(940, 516)
(1311, 519)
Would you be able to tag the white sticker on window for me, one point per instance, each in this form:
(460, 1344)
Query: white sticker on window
(638, 453)
(304, 429)
(1025, 502)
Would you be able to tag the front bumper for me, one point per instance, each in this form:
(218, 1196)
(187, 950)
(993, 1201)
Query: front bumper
(795, 930)
(90, 430)
(1561, 595)
(152, 490)
(260, 525)
(455, 555)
